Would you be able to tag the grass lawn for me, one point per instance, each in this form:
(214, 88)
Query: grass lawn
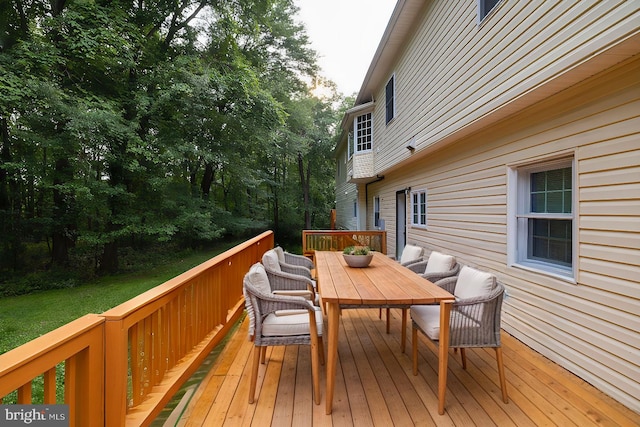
(25, 317)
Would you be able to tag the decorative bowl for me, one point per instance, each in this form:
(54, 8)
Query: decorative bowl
(358, 261)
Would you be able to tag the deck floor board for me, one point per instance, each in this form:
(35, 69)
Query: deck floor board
(375, 386)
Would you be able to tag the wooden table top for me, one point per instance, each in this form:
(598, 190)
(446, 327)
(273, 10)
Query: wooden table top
(384, 283)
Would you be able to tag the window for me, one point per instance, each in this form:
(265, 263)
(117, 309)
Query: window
(544, 219)
(376, 211)
(363, 133)
(390, 91)
(349, 145)
(419, 208)
(485, 6)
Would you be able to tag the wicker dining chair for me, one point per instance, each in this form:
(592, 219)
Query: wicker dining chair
(288, 260)
(280, 320)
(474, 321)
(435, 268)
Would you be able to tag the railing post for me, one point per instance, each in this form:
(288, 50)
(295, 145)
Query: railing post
(116, 366)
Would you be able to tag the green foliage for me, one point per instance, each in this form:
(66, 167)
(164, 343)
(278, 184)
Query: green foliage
(127, 125)
(357, 250)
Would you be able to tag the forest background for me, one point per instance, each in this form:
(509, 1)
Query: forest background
(132, 129)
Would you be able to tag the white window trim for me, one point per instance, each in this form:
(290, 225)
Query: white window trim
(517, 207)
(426, 220)
(351, 146)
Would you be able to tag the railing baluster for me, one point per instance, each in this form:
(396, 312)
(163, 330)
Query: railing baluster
(50, 386)
(24, 394)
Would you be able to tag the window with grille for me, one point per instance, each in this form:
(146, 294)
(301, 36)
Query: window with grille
(363, 132)
(419, 208)
(544, 217)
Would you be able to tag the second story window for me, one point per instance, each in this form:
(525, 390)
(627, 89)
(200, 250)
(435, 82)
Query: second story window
(363, 132)
(484, 7)
(390, 94)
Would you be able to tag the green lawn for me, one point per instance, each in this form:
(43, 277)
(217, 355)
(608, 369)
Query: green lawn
(25, 317)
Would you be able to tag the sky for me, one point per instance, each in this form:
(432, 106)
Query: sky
(346, 34)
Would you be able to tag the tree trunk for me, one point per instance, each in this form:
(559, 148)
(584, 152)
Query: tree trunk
(207, 180)
(63, 214)
(109, 259)
(304, 182)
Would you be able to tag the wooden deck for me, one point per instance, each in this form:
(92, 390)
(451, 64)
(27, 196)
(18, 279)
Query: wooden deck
(375, 386)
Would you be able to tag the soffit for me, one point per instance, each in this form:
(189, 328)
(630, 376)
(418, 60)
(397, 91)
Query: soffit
(400, 27)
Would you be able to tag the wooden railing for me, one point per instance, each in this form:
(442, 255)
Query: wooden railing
(337, 240)
(122, 367)
(79, 347)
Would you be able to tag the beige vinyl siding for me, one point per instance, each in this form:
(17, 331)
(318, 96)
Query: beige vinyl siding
(592, 326)
(345, 193)
(453, 73)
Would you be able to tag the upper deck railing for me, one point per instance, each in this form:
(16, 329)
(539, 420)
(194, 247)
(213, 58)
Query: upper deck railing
(337, 240)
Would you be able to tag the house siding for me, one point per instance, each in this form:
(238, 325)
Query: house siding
(346, 192)
(534, 81)
(523, 53)
(592, 326)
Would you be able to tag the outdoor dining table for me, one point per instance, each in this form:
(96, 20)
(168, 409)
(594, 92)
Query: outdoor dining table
(383, 284)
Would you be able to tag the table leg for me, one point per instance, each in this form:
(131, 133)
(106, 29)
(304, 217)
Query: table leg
(443, 355)
(404, 330)
(333, 318)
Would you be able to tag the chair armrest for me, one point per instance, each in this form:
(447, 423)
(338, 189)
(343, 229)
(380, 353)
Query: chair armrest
(434, 277)
(271, 303)
(296, 269)
(495, 293)
(299, 260)
(412, 262)
(300, 293)
(448, 283)
(418, 266)
(287, 281)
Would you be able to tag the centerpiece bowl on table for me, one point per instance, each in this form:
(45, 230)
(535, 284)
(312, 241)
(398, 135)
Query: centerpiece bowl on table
(357, 256)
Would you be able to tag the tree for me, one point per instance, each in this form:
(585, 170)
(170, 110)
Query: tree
(124, 124)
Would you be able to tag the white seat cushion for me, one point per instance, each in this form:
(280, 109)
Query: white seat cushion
(427, 317)
(473, 283)
(270, 260)
(257, 276)
(410, 253)
(288, 325)
(439, 263)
